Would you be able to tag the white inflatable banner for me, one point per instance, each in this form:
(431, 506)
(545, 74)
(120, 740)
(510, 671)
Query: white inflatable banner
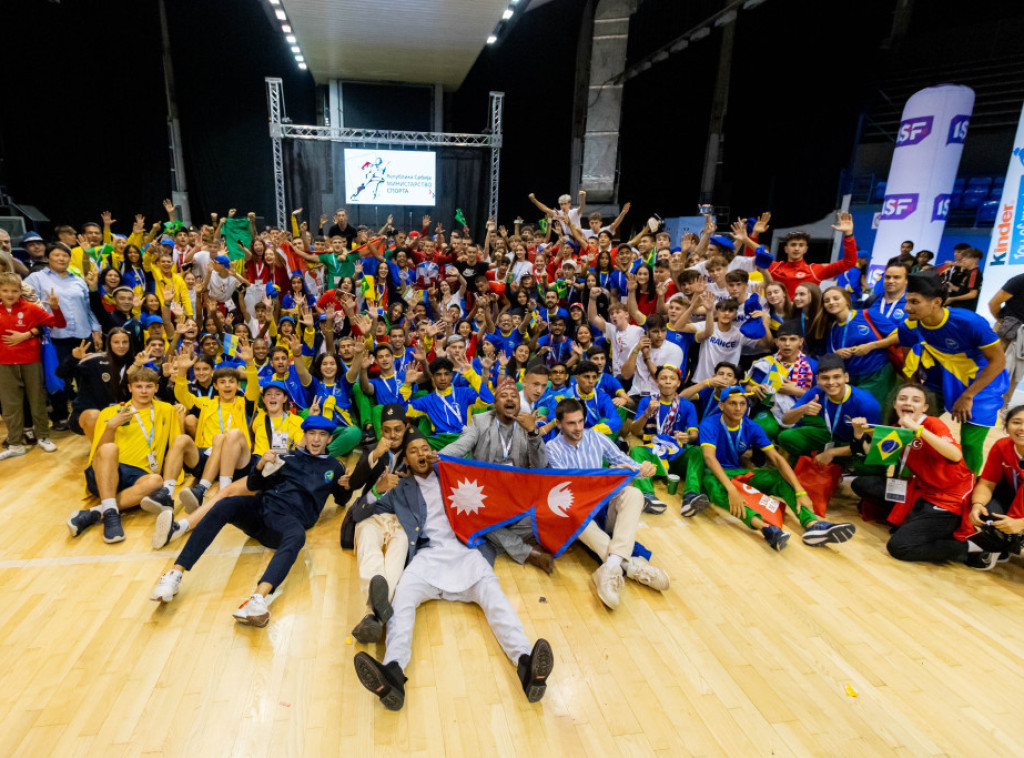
(924, 165)
(1006, 249)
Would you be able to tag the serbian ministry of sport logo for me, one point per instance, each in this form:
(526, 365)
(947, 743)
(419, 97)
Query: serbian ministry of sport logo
(328, 476)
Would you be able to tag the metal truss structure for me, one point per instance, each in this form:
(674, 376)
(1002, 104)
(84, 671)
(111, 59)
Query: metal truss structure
(382, 137)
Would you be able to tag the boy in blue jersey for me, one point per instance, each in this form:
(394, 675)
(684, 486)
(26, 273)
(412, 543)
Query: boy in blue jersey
(294, 375)
(779, 380)
(506, 337)
(824, 415)
(448, 408)
(659, 419)
(957, 356)
(554, 347)
(706, 395)
(388, 387)
(600, 412)
(891, 303)
(725, 440)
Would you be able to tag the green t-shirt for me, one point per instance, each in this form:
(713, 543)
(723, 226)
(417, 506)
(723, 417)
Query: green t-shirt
(347, 265)
(330, 261)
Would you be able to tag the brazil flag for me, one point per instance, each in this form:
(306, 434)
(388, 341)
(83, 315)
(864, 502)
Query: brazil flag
(887, 445)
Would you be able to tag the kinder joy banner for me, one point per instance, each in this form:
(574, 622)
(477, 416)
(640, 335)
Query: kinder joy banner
(1006, 250)
(924, 165)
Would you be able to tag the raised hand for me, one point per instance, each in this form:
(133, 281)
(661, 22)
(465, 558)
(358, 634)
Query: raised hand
(245, 350)
(53, 300)
(314, 408)
(140, 224)
(107, 219)
(81, 351)
(527, 420)
(739, 231)
(631, 283)
(844, 223)
(295, 212)
(168, 206)
(168, 293)
(92, 278)
(761, 225)
(426, 222)
(141, 359)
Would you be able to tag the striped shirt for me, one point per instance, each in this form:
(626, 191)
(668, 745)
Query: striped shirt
(593, 450)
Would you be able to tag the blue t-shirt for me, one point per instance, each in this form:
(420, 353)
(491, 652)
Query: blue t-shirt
(950, 357)
(684, 340)
(386, 391)
(837, 416)
(506, 343)
(730, 444)
(684, 421)
(857, 331)
(560, 352)
(895, 312)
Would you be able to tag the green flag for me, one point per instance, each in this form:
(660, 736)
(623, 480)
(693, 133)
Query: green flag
(887, 444)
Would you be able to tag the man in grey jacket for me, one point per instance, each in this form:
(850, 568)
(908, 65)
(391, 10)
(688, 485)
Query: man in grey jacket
(507, 436)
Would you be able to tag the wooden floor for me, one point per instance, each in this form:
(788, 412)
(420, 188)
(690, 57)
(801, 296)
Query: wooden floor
(809, 652)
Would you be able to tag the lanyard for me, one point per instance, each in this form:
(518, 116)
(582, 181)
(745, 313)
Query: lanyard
(393, 390)
(453, 409)
(220, 416)
(590, 411)
(842, 340)
(824, 411)
(734, 438)
(505, 447)
(892, 308)
(152, 426)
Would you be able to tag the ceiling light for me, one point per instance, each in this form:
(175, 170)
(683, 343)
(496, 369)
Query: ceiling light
(726, 18)
(507, 14)
(302, 66)
(290, 39)
(275, 2)
(286, 28)
(296, 49)
(281, 15)
(299, 58)
(492, 39)
(701, 33)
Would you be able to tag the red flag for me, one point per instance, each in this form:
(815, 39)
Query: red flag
(771, 509)
(480, 497)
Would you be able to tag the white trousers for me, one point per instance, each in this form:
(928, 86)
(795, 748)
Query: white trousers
(381, 548)
(623, 518)
(487, 593)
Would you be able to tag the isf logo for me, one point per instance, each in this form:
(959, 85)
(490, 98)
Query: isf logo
(896, 207)
(940, 208)
(914, 130)
(958, 129)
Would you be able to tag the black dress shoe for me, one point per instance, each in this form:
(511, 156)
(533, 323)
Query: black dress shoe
(533, 670)
(386, 682)
(369, 630)
(379, 599)
(542, 559)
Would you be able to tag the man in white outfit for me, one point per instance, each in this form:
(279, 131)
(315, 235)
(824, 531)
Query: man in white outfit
(440, 567)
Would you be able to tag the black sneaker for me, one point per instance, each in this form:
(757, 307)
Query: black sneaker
(164, 529)
(30, 437)
(775, 537)
(60, 426)
(693, 503)
(824, 533)
(622, 445)
(653, 505)
(386, 682)
(369, 437)
(379, 599)
(982, 561)
(369, 630)
(534, 669)
(158, 502)
(112, 529)
(82, 520)
(192, 499)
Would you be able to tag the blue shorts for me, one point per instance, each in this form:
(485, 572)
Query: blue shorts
(204, 456)
(126, 477)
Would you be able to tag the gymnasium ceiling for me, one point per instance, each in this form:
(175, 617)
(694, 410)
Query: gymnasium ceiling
(422, 41)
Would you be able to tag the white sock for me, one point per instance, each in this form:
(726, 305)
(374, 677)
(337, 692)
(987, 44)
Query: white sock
(170, 485)
(205, 483)
(183, 527)
(107, 503)
(614, 560)
(225, 481)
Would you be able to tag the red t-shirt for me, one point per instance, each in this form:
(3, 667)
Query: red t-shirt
(21, 317)
(1004, 465)
(938, 480)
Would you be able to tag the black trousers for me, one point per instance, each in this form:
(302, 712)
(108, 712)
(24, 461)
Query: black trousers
(990, 539)
(926, 534)
(59, 400)
(282, 532)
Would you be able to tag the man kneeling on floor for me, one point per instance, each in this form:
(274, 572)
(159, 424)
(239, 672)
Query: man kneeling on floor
(128, 448)
(287, 503)
(442, 567)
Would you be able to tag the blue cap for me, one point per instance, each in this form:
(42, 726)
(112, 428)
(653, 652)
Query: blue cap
(272, 290)
(719, 241)
(167, 241)
(223, 260)
(318, 422)
(31, 237)
(728, 392)
(676, 250)
(285, 318)
(148, 319)
(278, 385)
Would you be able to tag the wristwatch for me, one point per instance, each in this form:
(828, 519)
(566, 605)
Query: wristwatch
(534, 433)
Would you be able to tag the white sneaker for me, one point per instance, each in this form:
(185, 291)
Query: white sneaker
(167, 587)
(12, 451)
(608, 581)
(639, 570)
(253, 612)
(46, 446)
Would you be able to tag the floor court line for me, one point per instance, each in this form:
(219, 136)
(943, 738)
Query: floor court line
(73, 560)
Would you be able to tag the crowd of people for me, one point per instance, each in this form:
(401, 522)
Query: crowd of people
(225, 374)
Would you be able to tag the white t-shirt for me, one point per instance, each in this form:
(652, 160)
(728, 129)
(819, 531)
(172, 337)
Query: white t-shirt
(589, 233)
(720, 346)
(622, 343)
(221, 288)
(643, 383)
(200, 264)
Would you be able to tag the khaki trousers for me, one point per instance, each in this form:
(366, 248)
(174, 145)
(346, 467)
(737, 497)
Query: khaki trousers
(17, 382)
(381, 548)
(623, 517)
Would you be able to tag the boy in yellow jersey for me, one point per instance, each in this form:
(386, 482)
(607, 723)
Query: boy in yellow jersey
(128, 449)
(222, 421)
(165, 277)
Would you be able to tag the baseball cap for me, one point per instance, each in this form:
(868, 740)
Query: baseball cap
(31, 237)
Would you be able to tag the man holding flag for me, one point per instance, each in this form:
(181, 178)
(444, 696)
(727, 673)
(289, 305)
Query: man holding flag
(440, 567)
(578, 447)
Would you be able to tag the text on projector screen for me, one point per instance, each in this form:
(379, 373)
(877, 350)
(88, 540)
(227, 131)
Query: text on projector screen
(390, 177)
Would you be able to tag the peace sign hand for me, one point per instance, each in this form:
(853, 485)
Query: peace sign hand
(81, 351)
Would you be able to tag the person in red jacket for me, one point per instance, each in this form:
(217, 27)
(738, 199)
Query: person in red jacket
(795, 271)
(21, 368)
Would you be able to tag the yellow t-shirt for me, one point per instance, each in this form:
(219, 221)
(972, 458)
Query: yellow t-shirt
(132, 439)
(214, 417)
(177, 284)
(290, 422)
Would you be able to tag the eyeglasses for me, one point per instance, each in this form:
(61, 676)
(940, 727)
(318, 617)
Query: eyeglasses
(562, 371)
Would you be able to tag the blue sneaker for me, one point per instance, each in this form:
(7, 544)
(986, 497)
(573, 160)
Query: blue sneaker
(823, 532)
(693, 503)
(775, 537)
